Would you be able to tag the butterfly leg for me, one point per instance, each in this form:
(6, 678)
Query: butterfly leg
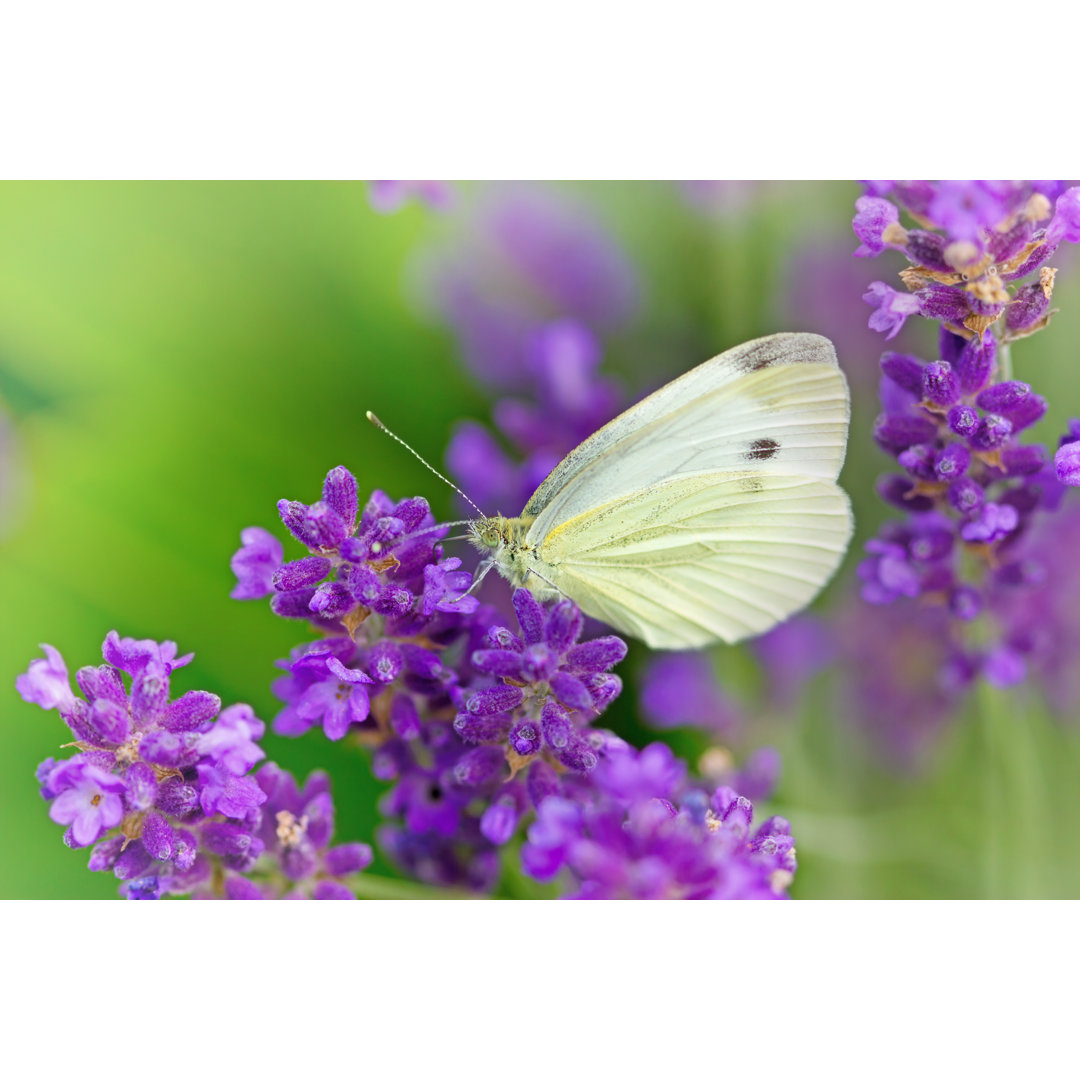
(482, 572)
(555, 588)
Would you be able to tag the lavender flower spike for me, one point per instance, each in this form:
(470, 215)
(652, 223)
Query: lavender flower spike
(970, 490)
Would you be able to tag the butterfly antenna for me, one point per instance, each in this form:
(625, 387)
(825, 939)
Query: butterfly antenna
(382, 427)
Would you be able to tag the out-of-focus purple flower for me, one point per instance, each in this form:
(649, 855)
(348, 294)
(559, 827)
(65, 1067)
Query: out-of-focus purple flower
(46, 683)
(822, 292)
(791, 655)
(570, 400)
(681, 690)
(901, 706)
(1065, 224)
(1066, 464)
(388, 196)
(255, 564)
(965, 208)
(872, 217)
(994, 522)
(1037, 599)
(530, 255)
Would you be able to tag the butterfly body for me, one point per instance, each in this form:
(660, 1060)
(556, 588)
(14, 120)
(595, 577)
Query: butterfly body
(709, 511)
(504, 541)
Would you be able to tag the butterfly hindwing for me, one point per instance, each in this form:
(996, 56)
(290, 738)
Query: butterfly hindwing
(701, 558)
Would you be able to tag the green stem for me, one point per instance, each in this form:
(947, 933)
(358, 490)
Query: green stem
(1018, 857)
(993, 797)
(1004, 361)
(374, 887)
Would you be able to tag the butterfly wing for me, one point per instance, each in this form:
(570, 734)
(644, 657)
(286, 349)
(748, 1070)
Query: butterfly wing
(701, 558)
(778, 405)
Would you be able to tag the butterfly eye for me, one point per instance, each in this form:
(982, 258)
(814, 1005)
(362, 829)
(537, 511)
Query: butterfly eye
(487, 533)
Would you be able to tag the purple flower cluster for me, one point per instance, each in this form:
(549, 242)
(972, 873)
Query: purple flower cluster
(970, 488)
(377, 563)
(641, 833)
(980, 239)
(471, 721)
(476, 725)
(162, 788)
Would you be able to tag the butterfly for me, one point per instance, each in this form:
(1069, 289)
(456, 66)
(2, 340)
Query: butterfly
(707, 512)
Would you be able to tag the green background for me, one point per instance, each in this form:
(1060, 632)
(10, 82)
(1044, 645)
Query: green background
(174, 358)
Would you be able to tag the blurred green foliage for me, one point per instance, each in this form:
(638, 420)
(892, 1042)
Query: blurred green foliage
(175, 357)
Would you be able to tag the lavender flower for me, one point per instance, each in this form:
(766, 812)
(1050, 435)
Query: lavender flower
(630, 840)
(87, 798)
(161, 772)
(681, 689)
(295, 829)
(476, 726)
(970, 489)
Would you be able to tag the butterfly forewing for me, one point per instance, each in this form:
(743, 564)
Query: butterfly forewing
(776, 405)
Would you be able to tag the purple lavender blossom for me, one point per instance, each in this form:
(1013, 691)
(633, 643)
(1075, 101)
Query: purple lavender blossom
(296, 828)
(255, 564)
(173, 782)
(323, 691)
(476, 726)
(87, 798)
(970, 489)
(681, 690)
(378, 561)
(531, 255)
(630, 840)
(46, 683)
(902, 705)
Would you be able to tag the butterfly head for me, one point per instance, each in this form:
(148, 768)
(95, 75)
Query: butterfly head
(490, 533)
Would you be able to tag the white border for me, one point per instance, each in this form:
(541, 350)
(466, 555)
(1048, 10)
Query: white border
(867, 989)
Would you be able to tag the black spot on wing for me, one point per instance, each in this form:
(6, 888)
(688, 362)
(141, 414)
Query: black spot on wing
(762, 449)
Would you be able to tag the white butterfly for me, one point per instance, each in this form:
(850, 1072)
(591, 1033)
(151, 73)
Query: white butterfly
(707, 512)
